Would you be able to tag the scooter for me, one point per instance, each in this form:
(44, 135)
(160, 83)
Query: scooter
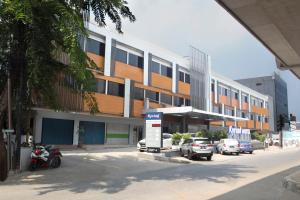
(45, 157)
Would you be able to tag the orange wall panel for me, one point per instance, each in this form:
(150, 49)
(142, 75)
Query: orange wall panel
(235, 103)
(109, 104)
(184, 88)
(245, 106)
(127, 71)
(255, 109)
(161, 81)
(257, 125)
(242, 124)
(217, 123)
(98, 60)
(266, 126)
(154, 105)
(138, 107)
(229, 123)
(250, 124)
(224, 99)
(264, 111)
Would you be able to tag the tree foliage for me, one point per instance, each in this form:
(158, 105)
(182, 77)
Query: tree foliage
(32, 32)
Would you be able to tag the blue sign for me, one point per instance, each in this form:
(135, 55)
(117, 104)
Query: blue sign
(153, 116)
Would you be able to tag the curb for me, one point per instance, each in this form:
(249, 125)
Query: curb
(291, 184)
(150, 156)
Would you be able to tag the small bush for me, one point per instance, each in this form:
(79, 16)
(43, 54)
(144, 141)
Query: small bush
(176, 137)
(186, 136)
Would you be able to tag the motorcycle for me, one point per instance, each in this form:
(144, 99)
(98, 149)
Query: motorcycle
(45, 157)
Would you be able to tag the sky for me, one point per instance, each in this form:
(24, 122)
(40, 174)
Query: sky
(235, 53)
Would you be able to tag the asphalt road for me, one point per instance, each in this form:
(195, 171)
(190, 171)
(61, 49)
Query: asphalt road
(122, 175)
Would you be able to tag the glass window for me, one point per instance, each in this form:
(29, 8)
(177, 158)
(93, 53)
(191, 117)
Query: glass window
(138, 93)
(166, 71)
(266, 120)
(188, 102)
(178, 101)
(187, 78)
(261, 104)
(100, 86)
(95, 47)
(225, 92)
(236, 95)
(115, 89)
(259, 118)
(121, 55)
(213, 87)
(245, 99)
(167, 99)
(243, 115)
(232, 112)
(251, 117)
(181, 76)
(152, 95)
(155, 67)
(136, 61)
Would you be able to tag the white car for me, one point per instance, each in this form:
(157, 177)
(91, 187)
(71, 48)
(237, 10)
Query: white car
(229, 146)
(167, 142)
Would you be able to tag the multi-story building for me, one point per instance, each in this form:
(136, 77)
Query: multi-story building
(134, 77)
(275, 87)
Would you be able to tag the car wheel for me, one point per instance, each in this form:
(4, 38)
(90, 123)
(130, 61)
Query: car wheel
(209, 158)
(250, 152)
(222, 152)
(190, 155)
(238, 153)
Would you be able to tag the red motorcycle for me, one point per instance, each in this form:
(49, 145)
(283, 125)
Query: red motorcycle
(45, 157)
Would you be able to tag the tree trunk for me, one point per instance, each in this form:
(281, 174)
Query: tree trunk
(3, 150)
(21, 66)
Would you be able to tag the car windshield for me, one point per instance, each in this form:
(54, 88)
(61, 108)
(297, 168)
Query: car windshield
(202, 141)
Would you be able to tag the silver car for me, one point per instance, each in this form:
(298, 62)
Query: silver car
(196, 147)
(229, 146)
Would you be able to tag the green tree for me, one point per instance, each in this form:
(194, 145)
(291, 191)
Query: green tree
(34, 32)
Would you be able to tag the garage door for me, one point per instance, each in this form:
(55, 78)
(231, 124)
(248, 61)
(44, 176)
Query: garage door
(93, 133)
(117, 133)
(57, 131)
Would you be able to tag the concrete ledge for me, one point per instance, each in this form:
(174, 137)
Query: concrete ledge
(163, 157)
(292, 182)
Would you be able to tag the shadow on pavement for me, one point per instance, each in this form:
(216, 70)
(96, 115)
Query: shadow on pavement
(268, 188)
(109, 174)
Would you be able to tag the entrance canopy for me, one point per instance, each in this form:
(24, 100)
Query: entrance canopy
(191, 112)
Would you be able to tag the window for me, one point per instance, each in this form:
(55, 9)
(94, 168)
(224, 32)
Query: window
(166, 71)
(243, 115)
(115, 89)
(236, 95)
(213, 87)
(261, 104)
(187, 78)
(232, 112)
(245, 99)
(100, 86)
(136, 61)
(251, 117)
(258, 118)
(138, 93)
(181, 76)
(258, 84)
(188, 102)
(178, 101)
(152, 95)
(121, 55)
(155, 67)
(253, 102)
(266, 120)
(95, 47)
(225, 92)
(167, 99)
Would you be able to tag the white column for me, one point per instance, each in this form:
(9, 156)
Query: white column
(107, 60)
(76, 132)
(235, 124)
(208, 90)
(146, 67)
(127, 98)
(174, 77)
(216, 91)
(249, 103)
(240, 99)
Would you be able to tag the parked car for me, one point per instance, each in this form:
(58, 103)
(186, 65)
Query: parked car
(167, 142)
(196, 147)
(229, 146)
(246, 146)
